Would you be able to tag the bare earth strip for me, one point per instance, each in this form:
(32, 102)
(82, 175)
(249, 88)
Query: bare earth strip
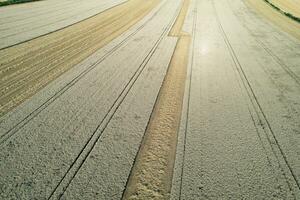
(151, 176)
(26, 68)
(288, 25)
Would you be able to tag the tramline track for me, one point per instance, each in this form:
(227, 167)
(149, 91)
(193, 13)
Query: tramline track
(276, 147)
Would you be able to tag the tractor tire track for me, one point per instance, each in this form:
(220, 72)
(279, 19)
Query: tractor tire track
(276, 147)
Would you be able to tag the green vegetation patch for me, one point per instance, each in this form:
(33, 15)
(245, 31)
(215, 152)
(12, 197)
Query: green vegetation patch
(297, 19)
(10, 2)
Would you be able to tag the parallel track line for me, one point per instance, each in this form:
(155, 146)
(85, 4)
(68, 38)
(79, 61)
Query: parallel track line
(253, 98)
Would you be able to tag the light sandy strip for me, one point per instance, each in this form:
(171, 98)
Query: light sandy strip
(151, 176)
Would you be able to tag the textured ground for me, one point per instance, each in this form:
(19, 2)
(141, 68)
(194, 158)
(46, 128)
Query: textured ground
(95, 110)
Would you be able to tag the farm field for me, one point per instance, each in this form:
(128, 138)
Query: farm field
(149, 99)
